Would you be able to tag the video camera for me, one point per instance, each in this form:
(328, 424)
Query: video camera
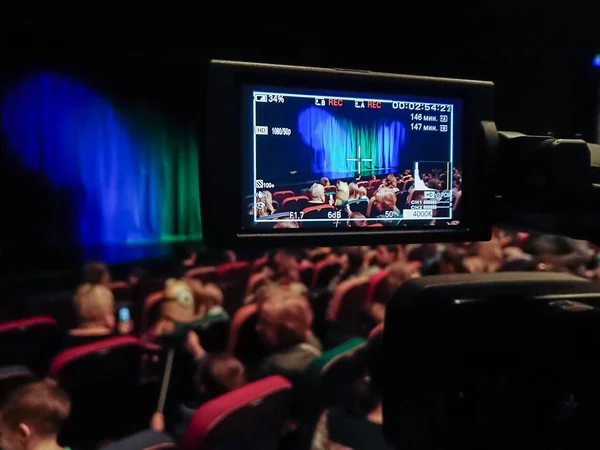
(308, 156)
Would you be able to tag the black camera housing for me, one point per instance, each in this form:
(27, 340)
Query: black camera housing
(223, 160)
(502, 360)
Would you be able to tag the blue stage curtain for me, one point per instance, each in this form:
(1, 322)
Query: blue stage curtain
(335, 140)
(131, 176)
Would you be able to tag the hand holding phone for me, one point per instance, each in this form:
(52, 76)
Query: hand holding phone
(125, 325)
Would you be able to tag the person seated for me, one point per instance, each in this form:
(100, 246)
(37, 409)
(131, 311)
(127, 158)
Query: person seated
(284, 322)
(357, 219)
(96, 273)
(215, 375)
(351, 265)
(341, 194)
(317, 194)
(357, 177)
(209, 300)
(354, 425)
(398, 273)
(31, 417)
(362, 193)
(325, 182)
(353, 192)
(285, 224)
(95, 306)
(178, 310)
(267, 198)
(383, 206)
(381, 257)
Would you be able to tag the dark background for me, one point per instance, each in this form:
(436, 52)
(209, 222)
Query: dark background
(538, 56)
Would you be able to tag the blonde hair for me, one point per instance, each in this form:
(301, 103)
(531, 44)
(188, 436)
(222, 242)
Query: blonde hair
(317, 192)
(354, 191)
(386, 198)
(288, 311)
(399, 272)
(269, 208)
(362, 191)
(94, 303)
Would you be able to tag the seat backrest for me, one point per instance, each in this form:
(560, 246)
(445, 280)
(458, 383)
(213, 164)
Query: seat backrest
(144, 440)
(317, 211)
(11, 377)
(329, 377)
(58, 305)
(245, 341)
(29, 342)
(213, 332)
(359, 206)
(239, 270)
(280, 196)
(377, 287)
(251, 417)
(325, 270)
(348, 300)
(296, 203)
(307, 271)
(102, 380)
(206, 274)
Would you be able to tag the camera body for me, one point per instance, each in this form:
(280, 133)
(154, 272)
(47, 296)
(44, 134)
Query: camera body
(490, 361)
(494, 361)
(273, 133)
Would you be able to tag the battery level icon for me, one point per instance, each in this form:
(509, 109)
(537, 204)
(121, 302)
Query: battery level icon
(261, 98)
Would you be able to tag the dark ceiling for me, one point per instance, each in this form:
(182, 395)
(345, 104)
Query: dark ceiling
(539, 58)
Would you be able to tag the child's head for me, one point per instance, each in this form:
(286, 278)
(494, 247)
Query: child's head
(33, 415)
(95, 305)
(221, 373)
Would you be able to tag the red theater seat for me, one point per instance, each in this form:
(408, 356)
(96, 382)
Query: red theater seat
(102, 380)
(29, 342)
(234, 271)
(259, 263)
(297, 203)
(346, 310)
(280, 196)
(250, 418)
(325, 270)
(377, 287)
(364, 184)
(317, 211)
(375, 225)
(375, 183)
(307, 271)
(330, 189)
(205, 274)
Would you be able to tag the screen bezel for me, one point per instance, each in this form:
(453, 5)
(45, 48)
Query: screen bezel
(224, 133)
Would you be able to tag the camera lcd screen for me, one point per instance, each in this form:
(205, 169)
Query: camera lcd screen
(345, 160)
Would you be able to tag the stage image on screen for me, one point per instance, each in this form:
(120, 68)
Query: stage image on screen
(322, 160)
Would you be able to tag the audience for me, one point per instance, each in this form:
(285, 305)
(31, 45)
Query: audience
(95, 306)
(284, 322)
(280, 313)
(355, 425)
(32, 416)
